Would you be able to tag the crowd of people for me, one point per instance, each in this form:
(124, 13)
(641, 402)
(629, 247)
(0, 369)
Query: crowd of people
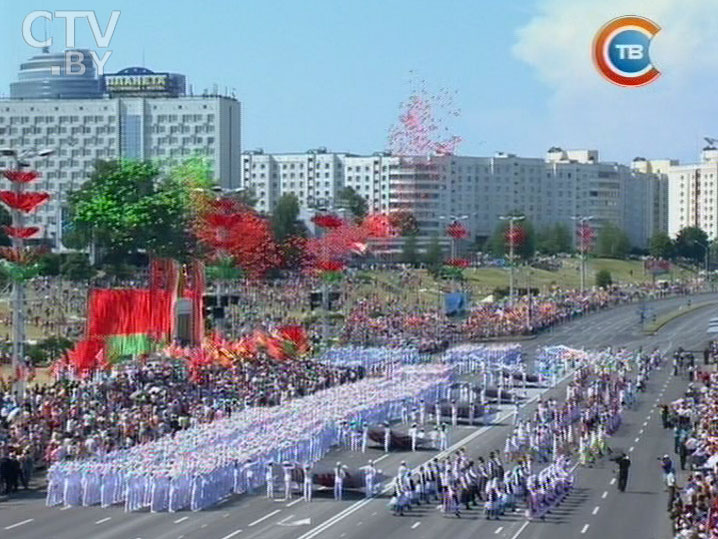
(693, 490)
(380, 322)
(139, 402)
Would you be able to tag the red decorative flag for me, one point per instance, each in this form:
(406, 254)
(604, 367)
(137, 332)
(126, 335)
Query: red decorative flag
(515, 236)
(21, 232)
(457, 231)
(458, 262)
(327, 221)
(21, 176)
(24, 202)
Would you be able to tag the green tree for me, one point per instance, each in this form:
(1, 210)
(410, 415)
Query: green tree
(285, 222)
(554, 239)
(661, 246)
(434, 255)
(691, 243)
(126, 207)
(409, 251)
(612, 242)
(5, 220)
(354, 202)
(76, 267)
(603, 278)
(49, 264)
(526, 248)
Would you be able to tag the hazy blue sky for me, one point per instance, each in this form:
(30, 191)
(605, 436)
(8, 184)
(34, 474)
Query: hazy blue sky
(333, 72)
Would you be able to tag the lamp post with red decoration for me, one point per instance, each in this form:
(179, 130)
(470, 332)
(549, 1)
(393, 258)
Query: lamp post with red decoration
(512, 244)
(20, 203)
(584, 233)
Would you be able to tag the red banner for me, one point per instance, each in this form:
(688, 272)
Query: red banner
(125, 312)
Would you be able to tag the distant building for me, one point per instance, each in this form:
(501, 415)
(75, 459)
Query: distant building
(693, 194)
(156, 123)
(45, 77)
(474, 190)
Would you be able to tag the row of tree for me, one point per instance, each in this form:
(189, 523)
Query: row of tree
(690, 243)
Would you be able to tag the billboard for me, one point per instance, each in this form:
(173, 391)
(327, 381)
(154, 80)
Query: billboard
(138, 81)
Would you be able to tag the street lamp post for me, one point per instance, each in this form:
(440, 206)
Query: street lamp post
(454, 219)
(511, 219)
(581, 221)
(323, 205)
(19, 159)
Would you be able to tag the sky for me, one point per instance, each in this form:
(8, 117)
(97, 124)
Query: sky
(333, 73)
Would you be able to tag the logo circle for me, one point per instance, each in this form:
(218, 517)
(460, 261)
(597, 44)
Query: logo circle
(621, 51)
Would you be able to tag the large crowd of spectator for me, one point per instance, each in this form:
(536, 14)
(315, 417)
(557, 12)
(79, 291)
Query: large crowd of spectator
(693, 491)
(139, 402)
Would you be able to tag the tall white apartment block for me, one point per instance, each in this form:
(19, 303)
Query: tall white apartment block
(693, 194)
(167, 130)
(476, 190)
(134, 114)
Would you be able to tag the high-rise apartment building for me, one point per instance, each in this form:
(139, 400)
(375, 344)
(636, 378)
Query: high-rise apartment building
(475, 190)
(141, 115)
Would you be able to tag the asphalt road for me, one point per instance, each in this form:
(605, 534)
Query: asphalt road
(594, 509)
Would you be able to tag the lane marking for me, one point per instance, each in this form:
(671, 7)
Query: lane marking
(103, 520)
(613, 481)
(181, 520)
(415, 525)
(584, 529)
(636, 440)
(630, 450)
(522, 528)
(294, 502)
(605, 493)
(595, 509)
(265, 517)
(66, 508)
(19, 524)
(235, 532)
(498, 530)
(381, 458)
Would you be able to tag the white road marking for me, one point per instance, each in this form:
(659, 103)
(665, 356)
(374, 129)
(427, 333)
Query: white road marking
(636, 440)
(235, 532)
(605, 493)
(66, 508)
(415, 525)
(640, 431)
(498, 530)
(381, 458)
(103, 520)
(645, 423)
(181, 520)
(265, 517)
(522, 528)
(630, 449)
(19, 524)
(595, 509)
(359, 523)
(585, 528)
(294, 502)
(613, 481)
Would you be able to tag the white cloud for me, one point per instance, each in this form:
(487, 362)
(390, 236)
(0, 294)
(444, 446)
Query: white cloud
(556, 42)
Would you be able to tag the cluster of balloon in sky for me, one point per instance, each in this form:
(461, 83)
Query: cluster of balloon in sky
(423, 126)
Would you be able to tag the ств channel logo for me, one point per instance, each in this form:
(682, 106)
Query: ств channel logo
(620, 51)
